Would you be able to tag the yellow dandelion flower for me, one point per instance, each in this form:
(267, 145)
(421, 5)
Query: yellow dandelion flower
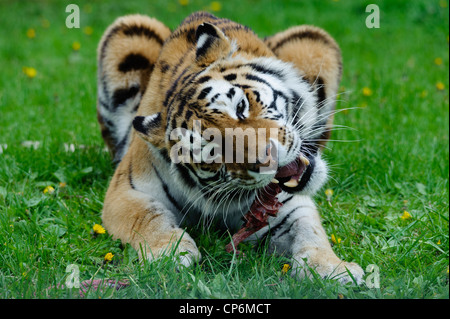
(285, 269)
(62, 185)
(439, 242)
(405, 215)
(367, 91)
(335, 240)
(76, 46)
(424, 94)
(216, 6)
(440, 86)
(88, 30)
(329, 193)
(108, 257)
(30, 72)
(31, 33)
(438, 61)
(183, 2)
(45, 23)
(98, 229)
(49, 189)
(87, 8)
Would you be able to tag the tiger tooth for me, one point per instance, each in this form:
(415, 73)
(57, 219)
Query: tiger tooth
(275, 181)
(304, 160)
(291, 183)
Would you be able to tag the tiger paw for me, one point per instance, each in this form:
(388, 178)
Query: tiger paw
(327, 266)
(183, 252)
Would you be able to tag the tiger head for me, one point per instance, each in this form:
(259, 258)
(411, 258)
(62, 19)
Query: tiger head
(231, 119)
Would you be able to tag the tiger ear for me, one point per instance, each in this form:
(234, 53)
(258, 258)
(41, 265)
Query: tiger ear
(149, 127)
(212, 44)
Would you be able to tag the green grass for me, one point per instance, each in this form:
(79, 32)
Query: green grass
(396, 159)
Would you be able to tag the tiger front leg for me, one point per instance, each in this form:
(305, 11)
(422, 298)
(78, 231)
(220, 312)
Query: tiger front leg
(150, 228)
(298, 229)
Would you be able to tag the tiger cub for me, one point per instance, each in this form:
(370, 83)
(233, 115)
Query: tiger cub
(168, 103)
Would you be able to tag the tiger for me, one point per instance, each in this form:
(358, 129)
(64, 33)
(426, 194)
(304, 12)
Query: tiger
(156, 87)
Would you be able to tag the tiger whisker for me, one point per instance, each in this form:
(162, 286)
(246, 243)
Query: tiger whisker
(203, 195)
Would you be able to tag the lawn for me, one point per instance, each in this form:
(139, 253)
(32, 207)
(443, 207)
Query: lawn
(389, 205)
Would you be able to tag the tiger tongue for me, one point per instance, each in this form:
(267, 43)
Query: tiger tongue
(294, 170)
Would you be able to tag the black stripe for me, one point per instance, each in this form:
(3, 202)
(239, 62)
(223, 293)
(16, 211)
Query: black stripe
(258, 97)
(130, 177)
(169, 93)
(142, 31)
(274, 229)
(253, 77)
(105, 88)
(120, 147)
(270, 231)
(320, 91)
(103, 103)
(303, 34)
(164, 66)
(235, 27)
(107, 39)
(121, 95)
(190, 36)
(176, 66)
(287, 230)
(188, 33)
(297, 102)
(166, 190)
(204, 48)
(134, 62)
(215, 97)
(261, 69)
(273, 105)
(231, 93)
(203, 79)
(257, 79)
(165, 155)
(277, 227)
(287, 199)
(204, 93)
(188, 115)
(182, 105)
(184, 173)
(230, 77)
(204, 181)
(243, 86)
